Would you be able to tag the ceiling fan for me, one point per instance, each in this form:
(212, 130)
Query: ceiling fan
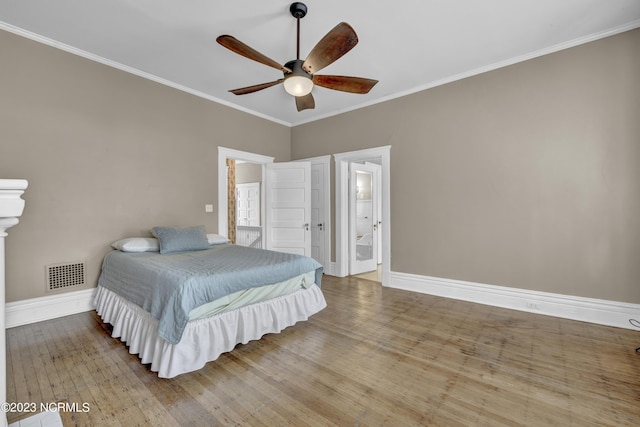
(299, 76)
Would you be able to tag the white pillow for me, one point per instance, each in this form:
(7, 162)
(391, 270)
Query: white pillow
(216, 239)
(137, 244)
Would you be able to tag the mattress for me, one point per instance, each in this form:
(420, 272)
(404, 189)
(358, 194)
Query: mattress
(252, 296)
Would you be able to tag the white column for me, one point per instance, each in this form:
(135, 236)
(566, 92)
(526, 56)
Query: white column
(11, 207)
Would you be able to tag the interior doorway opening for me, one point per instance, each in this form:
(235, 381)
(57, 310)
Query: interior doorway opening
(346, 251)
(365, 222)
(284, 198)
(229, 164)
(247, 199)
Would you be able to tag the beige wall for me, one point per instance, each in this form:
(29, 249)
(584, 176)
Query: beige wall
(248, 172)
(107, 155)
(527, 176)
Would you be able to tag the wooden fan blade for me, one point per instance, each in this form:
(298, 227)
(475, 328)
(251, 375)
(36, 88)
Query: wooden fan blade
(340, 40)
(305, 102)
(254, 88)
(345, 83)
(240, 48)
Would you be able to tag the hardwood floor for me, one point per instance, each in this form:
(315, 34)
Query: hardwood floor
(375, 356)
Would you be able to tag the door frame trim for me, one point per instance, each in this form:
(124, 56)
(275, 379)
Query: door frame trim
(342, 207)
(229, 153)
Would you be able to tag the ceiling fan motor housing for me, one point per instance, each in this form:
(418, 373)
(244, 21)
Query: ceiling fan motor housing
(295, 66)
(298, 10)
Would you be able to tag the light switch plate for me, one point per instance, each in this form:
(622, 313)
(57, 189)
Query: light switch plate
(208, 208)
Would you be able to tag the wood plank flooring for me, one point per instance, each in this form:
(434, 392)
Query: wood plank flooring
(375, 356)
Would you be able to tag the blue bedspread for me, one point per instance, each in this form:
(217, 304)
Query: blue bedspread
(169, 286)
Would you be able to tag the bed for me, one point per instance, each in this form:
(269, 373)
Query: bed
(180, 303)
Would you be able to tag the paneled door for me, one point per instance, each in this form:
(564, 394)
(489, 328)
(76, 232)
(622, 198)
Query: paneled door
(288, 207)
(318, 221)
(248, 204)
(379, 208)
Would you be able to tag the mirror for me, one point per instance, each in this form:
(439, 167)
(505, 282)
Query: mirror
(364, 216)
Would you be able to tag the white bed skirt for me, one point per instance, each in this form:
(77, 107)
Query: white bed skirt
(205, 339)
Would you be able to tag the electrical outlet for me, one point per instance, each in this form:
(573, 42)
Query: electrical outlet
(208, 208)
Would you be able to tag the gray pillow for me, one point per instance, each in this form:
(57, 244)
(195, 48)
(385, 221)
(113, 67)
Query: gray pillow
(175, 239)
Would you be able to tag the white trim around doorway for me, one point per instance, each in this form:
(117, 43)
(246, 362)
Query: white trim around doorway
(342, 207)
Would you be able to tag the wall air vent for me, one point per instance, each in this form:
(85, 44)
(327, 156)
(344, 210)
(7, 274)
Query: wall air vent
(65, 275)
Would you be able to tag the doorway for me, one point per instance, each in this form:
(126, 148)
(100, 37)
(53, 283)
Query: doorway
(363, 218)
(247, 199)
(381, 157)
(285, 201)
(227, 216)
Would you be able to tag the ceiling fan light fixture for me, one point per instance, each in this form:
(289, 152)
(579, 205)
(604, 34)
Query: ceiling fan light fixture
(298, 85)
(298, 82)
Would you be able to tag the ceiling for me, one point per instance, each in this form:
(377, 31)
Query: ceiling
(408, 46)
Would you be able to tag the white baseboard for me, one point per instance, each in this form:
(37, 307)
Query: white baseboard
(603, 312)
(330, 269)
(34, 310)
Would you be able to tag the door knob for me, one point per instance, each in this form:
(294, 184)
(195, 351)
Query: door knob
(306, 226)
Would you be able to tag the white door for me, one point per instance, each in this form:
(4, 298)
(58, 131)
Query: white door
(288, 207)
(363, 218)
(379, 208)
(248, 204)
(318, 221)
